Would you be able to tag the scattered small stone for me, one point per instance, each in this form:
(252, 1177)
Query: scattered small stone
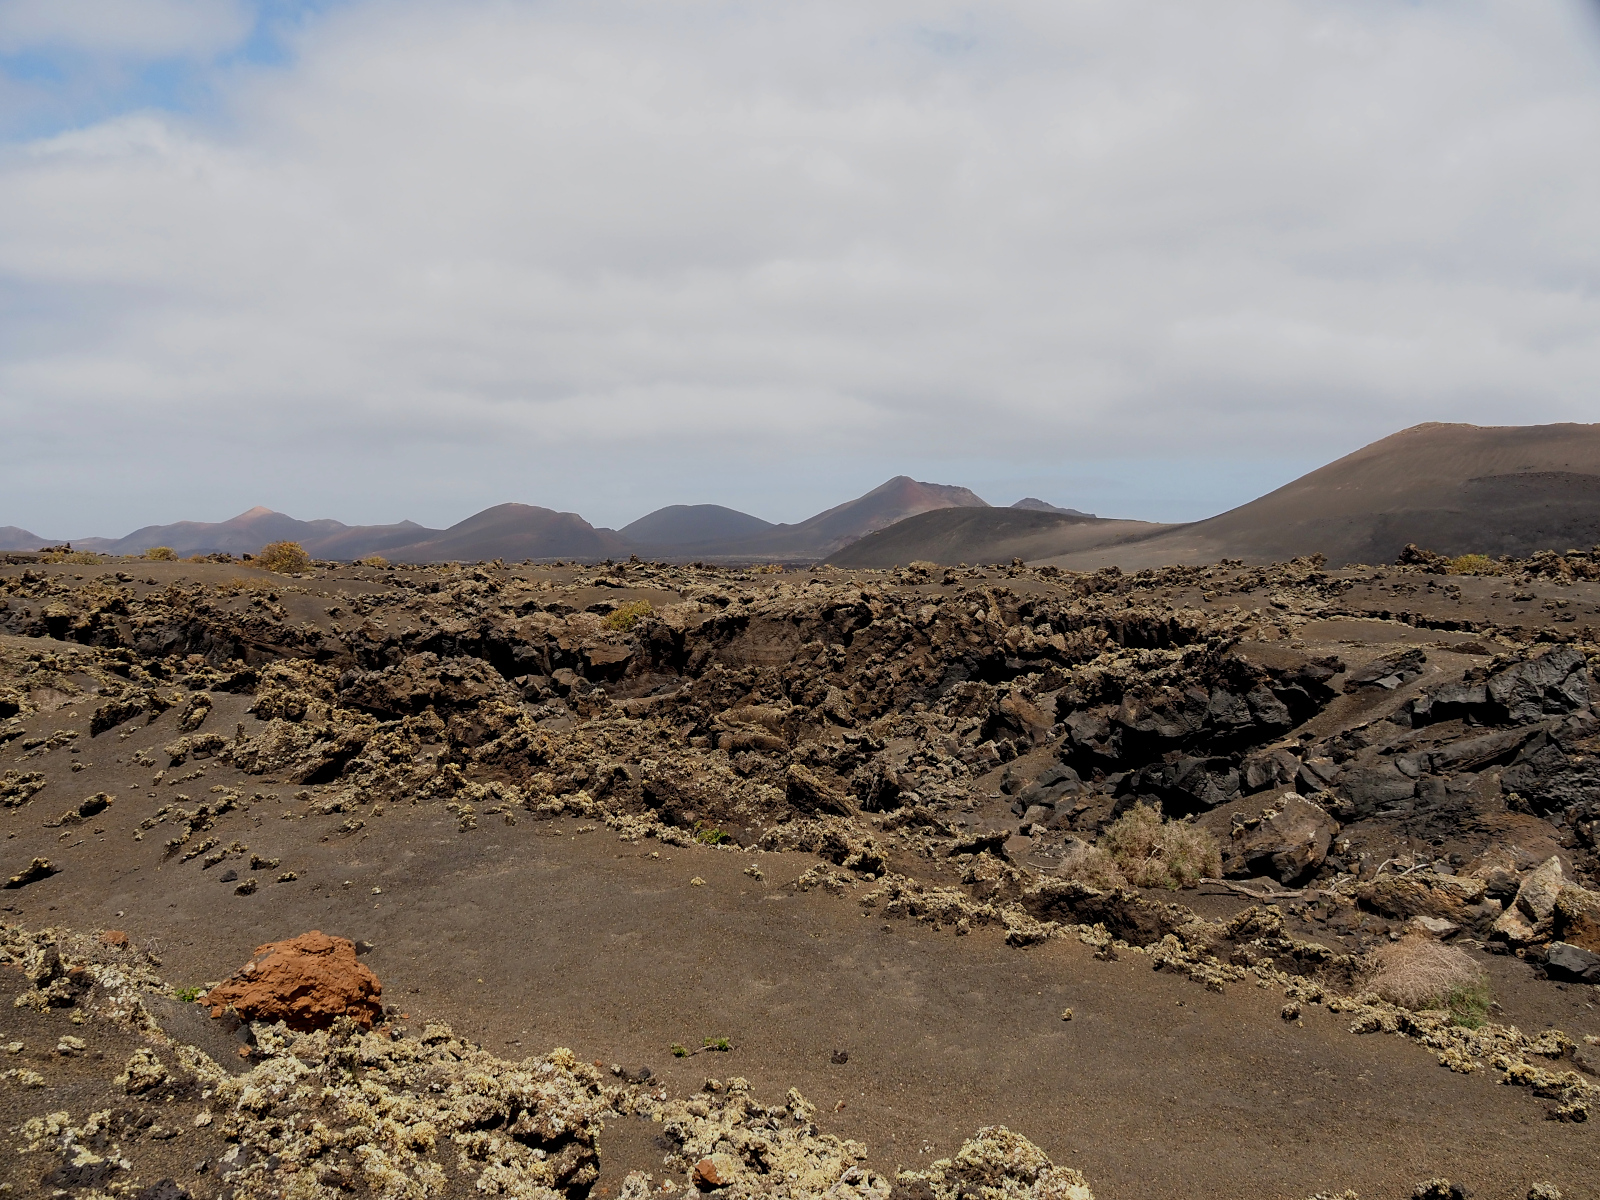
(39, 868)
(840, 1057)
(228, 876)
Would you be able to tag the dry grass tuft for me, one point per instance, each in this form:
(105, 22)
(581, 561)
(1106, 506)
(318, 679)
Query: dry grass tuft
(161, 554)
(286, 558)
(1420, 973)
(1152, 852)
(373, 560)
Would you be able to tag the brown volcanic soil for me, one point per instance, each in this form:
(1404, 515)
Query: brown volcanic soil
(537, 935)
(555, 931)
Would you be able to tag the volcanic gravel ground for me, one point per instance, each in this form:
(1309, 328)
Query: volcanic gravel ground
(527, 921)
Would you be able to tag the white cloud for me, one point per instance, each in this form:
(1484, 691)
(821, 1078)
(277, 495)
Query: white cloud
(138, 28)
(705, 233)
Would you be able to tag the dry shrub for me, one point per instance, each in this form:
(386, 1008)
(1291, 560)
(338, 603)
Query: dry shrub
(1153, 852)
(373, 560)
(1474, 564)
(84, 558)
(1094, 867)
(627, 616)
(1418, 972)
(286, 558)
(161, 554)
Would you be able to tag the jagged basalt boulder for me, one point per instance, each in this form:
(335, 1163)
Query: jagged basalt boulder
(1565, 961)
(1528, 917)
(1288, 841)
(1423, 894)
(1552, 684)
(1575, 918)
(810, 794)
(423, 681)
(307, 982)
(1387, 673)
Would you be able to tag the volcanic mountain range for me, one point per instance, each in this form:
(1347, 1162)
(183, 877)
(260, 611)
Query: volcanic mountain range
(1452, 488)
(523, 531)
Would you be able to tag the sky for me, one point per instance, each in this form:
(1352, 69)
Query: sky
(406, 259)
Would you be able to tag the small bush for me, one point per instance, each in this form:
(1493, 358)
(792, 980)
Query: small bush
(161, 554)
(373, 560)
(81, 557)
(190, 994)
(1152, 852)
(286, 558)
(1474, 564)
(626, 617)
(1419, 973)
(1469, 1006)
(1095, 868)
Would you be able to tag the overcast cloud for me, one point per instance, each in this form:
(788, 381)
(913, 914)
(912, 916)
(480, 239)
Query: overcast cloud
(386, 260)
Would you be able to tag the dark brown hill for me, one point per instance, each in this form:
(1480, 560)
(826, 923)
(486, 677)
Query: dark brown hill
(821, 535)
(1037, 505)
(249, 531)
(358, 541)
(1455, 489)
(983, 535)
(515, 532)
(686, 527)
(13, 538)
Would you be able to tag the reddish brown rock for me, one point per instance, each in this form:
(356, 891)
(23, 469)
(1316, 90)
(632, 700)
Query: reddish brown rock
(715, 1171)
(305, 981)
